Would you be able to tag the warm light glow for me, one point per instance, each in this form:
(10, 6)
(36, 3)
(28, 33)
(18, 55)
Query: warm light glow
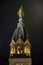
(12, 50)
(20, 12)
(19, 50)
(27, 50)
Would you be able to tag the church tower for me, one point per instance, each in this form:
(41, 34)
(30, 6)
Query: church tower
(20, 46)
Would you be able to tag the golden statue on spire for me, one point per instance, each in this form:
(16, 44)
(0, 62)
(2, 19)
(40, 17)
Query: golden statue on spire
(20, 12)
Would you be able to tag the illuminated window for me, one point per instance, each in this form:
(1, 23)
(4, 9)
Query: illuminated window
(27, 49)
(19, 50)
(12, 51)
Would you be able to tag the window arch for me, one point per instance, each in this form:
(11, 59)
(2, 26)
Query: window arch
(19, 49)
(12, 50)
(26, 49)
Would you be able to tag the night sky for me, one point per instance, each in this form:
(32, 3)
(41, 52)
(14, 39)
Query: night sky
(33, 23)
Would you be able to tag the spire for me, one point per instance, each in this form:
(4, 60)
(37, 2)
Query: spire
(20, 12)
(20, 31)
(20, 43)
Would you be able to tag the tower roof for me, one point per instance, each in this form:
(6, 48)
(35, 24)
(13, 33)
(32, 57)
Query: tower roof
(20, 31)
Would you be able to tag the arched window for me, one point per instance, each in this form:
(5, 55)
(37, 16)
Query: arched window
(26, 49)
(19, 49)
(12, 50)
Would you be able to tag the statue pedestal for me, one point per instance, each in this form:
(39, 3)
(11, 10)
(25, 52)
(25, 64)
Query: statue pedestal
(20, 61)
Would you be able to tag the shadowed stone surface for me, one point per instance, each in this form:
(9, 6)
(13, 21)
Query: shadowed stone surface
(20, 61)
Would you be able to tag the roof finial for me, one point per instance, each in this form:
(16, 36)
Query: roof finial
(20, 12)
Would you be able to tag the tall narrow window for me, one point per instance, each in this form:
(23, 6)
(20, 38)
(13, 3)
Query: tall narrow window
(12, 50)
(19, 50)
(26, 49)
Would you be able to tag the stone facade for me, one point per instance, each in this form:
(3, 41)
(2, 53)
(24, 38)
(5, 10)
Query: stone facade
(20, 61)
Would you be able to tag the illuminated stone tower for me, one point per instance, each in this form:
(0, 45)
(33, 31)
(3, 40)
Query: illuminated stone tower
(20, 46)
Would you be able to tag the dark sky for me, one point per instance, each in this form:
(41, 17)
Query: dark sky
(33, 23)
